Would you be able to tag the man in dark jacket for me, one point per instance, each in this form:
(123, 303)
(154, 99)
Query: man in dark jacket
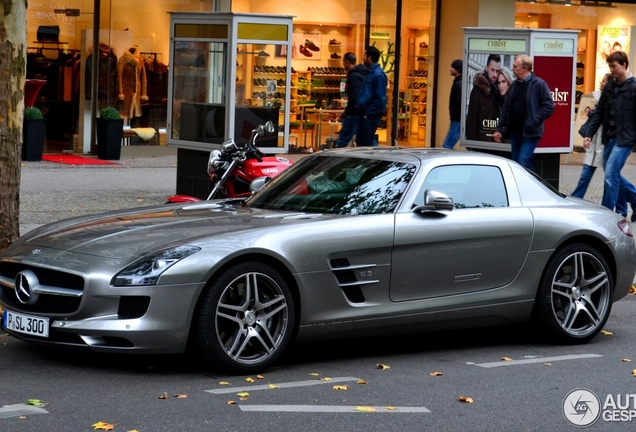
(481, 118)
(616, 112)
(527, 106)
(351, 116)
(455, 105)
(371, 99)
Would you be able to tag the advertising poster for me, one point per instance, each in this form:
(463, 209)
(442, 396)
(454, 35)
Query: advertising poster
(587, 103)
(307, 46)
(610, 39)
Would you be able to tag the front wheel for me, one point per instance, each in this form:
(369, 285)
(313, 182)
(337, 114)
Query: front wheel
(575, 296)
(246, 318)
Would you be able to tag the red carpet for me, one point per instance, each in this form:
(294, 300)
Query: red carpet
(76, 160)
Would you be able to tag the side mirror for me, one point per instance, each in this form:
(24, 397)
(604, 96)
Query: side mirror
(269, 127)
(435, 201)
(258, 183)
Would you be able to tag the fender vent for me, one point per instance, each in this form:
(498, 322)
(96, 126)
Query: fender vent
(353, 293)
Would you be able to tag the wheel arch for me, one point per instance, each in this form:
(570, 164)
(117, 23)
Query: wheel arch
(596, 243)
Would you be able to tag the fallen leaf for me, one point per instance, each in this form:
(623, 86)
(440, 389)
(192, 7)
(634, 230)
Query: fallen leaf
(634, 372)
(224, 383)
(340, 387)
(465, 399)
(383, 366)
(361, 382)
(435, 374)
(364, 408)
(632, 290)
(231, 402)
(272, 386)
(243, 394)
(35, 402)
(22, 417)
(133, 430)
(164, 396)
(249, 379)
(260, 377)
(547, 364)
(506, 359)
(391, 408)
(181, 396)
(314, 374)
(243, 399)
(103, 426)
(626, 360)
(325, 379)
(607, 333)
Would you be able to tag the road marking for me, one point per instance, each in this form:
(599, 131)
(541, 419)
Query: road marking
(333, 409)
(20, 410)
(537, 360)
(282, 385)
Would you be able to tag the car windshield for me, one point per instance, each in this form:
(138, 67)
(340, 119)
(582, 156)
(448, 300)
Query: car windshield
(337, 185)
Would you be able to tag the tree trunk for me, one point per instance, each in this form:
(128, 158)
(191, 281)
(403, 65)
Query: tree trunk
(13, 43)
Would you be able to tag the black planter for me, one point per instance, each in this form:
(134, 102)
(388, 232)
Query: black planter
(109, 135)
(33, 137)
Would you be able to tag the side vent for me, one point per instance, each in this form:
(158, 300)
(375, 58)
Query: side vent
(347, 280)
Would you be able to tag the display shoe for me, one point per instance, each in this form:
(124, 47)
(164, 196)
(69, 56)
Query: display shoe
(311, 46)
(304, 51)
(263, 54)
(335, 56)
(334, 42)
(423, 45)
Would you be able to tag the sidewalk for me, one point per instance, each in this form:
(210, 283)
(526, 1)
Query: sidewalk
(146, 175)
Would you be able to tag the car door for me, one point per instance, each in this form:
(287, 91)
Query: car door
(481, 244)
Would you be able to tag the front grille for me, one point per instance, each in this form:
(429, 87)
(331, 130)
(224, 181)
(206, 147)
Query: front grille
(46, 304)
(45, 276)
(133, 307)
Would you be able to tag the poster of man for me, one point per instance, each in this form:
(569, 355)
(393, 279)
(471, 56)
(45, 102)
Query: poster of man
(489, 77)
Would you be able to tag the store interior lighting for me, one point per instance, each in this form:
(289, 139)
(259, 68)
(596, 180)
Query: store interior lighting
(591, 3)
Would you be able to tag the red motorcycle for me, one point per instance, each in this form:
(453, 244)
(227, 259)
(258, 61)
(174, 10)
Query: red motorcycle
(240, 171)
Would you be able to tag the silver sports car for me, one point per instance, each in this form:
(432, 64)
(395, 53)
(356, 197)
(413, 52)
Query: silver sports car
(344, 243)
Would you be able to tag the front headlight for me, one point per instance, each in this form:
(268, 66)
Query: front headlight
(147, 270)
(214, 161)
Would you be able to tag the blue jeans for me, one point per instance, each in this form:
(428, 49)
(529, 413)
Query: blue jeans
(348, 130)
(452, 136)
(616, 187)
(584, 181)
(366, 130)
(523, 149)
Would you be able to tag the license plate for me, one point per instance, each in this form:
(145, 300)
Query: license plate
(26, 324)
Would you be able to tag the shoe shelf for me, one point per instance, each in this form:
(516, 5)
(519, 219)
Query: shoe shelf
(416, 82)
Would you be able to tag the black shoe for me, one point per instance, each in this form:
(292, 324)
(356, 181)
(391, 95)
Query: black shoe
(633, 217)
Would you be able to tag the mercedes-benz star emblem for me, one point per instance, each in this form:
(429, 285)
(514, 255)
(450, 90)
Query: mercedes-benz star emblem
(25, 283)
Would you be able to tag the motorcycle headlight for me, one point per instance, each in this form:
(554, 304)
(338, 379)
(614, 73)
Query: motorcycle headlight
(215, 161)
(147, 270)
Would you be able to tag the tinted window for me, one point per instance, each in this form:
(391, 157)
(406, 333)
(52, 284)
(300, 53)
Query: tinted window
(470, 186)
(339, 185)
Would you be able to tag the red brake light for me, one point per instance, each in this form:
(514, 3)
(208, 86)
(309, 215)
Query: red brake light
(626, 228)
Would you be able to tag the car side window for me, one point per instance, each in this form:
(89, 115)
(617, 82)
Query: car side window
(470, 186)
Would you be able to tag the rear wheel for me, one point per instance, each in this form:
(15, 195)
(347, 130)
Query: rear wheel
(575, 296)
(246, 318)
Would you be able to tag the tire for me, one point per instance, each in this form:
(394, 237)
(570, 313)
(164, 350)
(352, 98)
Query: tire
(246, 318)
(575, 296)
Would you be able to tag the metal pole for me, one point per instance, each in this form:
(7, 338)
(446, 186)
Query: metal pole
(396, 77)
(95, 73)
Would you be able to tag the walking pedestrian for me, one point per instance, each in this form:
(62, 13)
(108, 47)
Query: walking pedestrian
(351, 116)
(527, 106)
(615, 112)
(371, 99)
(454, 105)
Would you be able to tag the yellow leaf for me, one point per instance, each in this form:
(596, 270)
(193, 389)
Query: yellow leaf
(243, 394)
(632, 290)
(465, 399)
(391, 408)
(325, 379)
(164, 396)
(231, 402)
(35, 402)
(626, 360)
(314, 374)
(272, 386)
(224, 383)
(260, 377)
(361, 382)
(383, 366)
(103, 426)
(22, 417)
(634, 372)
(547, 364)
(435, 374)
(133, 430)
(181, 396)
(243, 399)
(250, 380)
(607, 333)
(340, 387)
(364, 408)
(506, 359)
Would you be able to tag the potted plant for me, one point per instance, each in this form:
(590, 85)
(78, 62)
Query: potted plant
(110, 130)
(33, 134)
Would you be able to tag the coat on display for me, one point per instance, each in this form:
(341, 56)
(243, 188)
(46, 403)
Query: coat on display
(131, 82)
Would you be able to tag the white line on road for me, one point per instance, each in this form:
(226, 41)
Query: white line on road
(282, 385)
(20, 410)
(537, 360)
(333, 409)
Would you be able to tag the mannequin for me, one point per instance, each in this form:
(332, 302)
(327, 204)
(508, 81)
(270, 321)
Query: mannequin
(131, 82)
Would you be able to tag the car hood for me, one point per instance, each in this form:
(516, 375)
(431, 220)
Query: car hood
(131, 233)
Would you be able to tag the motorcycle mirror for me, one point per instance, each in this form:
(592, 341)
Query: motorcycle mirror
(269, 127)
(258, 183)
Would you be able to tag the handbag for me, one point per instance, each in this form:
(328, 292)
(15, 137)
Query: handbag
(583, 129)
(50, 33)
